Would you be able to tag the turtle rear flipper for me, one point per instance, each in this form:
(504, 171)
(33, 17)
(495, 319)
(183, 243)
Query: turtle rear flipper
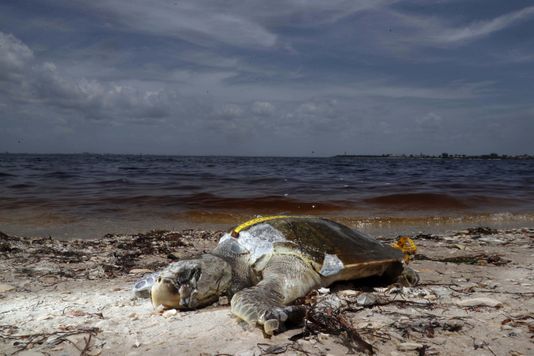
(285, 278)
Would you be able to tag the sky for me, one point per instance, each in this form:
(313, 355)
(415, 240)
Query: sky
(256, 77)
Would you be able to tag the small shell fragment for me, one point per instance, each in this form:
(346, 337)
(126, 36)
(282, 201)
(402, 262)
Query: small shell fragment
(169, 313)
(366, 299)
(223, 300)
(488, 302)
(140, 271)
(409, 346)
(6, 288)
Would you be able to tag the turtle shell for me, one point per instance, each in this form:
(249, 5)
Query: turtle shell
(333, 250)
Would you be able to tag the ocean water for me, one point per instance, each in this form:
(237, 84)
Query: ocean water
(85, 195)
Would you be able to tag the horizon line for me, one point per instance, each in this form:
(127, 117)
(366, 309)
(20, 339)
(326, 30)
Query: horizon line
(381, 155)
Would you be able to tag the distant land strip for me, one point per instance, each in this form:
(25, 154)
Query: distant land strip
(441, 156)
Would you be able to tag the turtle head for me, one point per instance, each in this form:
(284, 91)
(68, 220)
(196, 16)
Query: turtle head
(191, 284)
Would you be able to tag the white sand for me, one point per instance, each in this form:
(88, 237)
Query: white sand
(36, 304)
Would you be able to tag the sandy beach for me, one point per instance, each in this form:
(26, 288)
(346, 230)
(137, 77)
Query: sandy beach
(74, 297)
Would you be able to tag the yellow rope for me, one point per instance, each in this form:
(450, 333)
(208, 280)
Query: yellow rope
(407, 246)
(255, 221)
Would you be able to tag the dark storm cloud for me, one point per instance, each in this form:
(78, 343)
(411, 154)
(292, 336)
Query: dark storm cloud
(278, 77)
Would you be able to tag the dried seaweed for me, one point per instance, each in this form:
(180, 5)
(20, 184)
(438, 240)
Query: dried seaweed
(332, 321)
(479, 259)
(481, 230)
(117, 254)
(426, 326)
(27, 341)
(268, 349)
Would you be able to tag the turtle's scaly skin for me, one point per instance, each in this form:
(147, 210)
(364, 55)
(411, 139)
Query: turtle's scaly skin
(285, 278)
(267, 263)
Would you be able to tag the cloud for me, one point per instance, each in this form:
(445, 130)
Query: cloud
(251, 24)
(409, 35)
(14, 56)
(188, 21)
(230, 111)
(262, 108)
(298, 13)
(429, 123)
(481, 29)
(514, 56)
(29, 82)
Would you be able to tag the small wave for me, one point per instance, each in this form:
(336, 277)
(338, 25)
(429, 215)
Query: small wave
(59, 175)
(419, 201)
(3, 174)
(266, 180)
(21, 186)
(131, 168)
(212, 201)
(264, 203)
(120, 181)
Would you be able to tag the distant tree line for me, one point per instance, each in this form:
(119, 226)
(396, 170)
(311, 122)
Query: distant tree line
(444, 155)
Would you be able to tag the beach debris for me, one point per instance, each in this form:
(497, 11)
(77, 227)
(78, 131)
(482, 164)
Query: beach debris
(6, 288)
(327, 317)
(427, 325)
(39, 257)
(366, 299)
(409, 346)
(477, 302)
(140, 271)
(133, 316)
(75, 313)
(169, 313)
(331, 301)
(478, 259)
(520, 320)
(348, 293)
(137, 343)
(223, 300)
(491, 240)
(481, 230)
(159, 309)
(269, 349)
(82, 338)
(422, 236)
(461, 247)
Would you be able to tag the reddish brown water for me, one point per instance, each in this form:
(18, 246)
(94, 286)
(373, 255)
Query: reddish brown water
(90, 195)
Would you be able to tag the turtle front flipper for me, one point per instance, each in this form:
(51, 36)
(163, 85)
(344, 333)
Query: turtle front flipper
(285, 278)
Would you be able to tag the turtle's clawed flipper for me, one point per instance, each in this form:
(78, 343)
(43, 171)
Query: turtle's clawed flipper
(275, 319)
(285, 278)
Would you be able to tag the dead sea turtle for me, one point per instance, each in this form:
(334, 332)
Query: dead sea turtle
(267, 263)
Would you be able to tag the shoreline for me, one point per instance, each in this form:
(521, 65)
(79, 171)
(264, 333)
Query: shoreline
(66, 227)
(63, 297)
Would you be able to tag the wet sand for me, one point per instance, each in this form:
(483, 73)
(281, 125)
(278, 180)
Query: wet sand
(73, 225)
(74, 297)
